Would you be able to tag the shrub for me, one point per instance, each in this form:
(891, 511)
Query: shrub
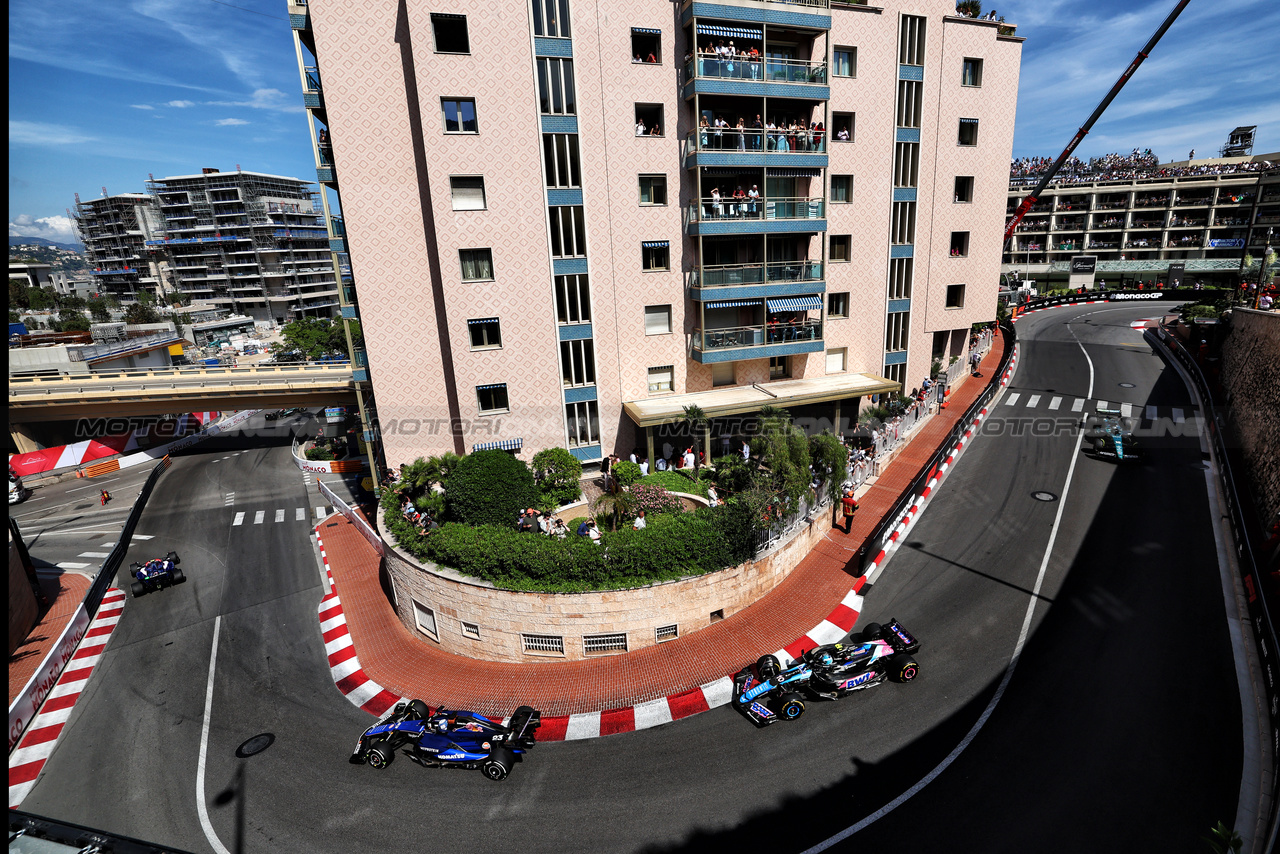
(734, 474)
(653, 499)
(557, 473)
(626, 473)
(431, 503)
(489, 488)
(675, 481)
(320, 452)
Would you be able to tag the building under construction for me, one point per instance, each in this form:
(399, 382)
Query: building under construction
(115, 230)
(252, 243)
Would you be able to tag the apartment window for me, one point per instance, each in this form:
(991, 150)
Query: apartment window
(649, 120)
(906, 164)
(653, 189)
(779, 367)
(841, 189)
(955, 296)
(573, 299)
(836, 360)
(470, 630)
(477, 264)
(583, 420)
(560, 157)
(660, 379)
(568, 232)
(551, 18)
(459, 115)
(897, 374)
(964, 188)
(971, 73)
(968, 132)
(911, 34)
(493, 398)
(842, 126)
(542, 644)
(910, 103)
(902, 224)
(657, 319)
(656, 255)
(577, 363)
(426, 619)
(722, 373)
(604, 644)
(897, 327)
(666, 633)
(646, 45)
(468, 192)
(451, 33)
(959, 244)
(485, 333)
(838, 305)
(900, 276)
(556, 95)
(844, 62)
(839, 251)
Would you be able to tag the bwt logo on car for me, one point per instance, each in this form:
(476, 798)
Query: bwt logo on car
(858, 680)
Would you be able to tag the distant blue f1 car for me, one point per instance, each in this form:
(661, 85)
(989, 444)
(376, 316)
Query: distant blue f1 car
(767, 693)
(156, 574)
(449, 739)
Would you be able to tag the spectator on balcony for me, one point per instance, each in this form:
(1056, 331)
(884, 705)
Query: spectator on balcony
(717, 211)
(753, 201)
(653, 60)
(739, 201)
(757, 130)
(818, 131)
(704, 133)
(843, 133)
(753, 62)
(720, 125)
(640, 128)
(656, 130)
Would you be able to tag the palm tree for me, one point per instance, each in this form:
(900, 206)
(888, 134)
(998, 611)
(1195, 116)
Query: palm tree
(698, 425)
(617, 505)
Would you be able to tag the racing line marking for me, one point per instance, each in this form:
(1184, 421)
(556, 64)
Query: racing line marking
(68, 564)
(201, 802)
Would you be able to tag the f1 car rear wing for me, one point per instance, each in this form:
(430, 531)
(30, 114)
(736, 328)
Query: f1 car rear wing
(524, 725)
(1113, 413)
(899, 638)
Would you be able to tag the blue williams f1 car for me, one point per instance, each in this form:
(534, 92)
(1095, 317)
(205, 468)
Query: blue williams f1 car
(767, 693)
(156, 574)
(449, 739)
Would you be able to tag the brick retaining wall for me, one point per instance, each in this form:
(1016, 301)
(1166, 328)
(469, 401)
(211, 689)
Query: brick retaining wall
(1251, 379)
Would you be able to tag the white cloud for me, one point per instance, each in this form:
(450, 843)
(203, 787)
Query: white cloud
(230, 122)
(40, 133)
(59, 229)
(181, 104)
(142, 106)
(264, 99)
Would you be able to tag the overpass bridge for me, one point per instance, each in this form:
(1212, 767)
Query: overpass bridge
(162, 391)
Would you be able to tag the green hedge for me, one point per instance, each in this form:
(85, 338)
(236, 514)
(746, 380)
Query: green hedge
(674, 481)
(489, 488)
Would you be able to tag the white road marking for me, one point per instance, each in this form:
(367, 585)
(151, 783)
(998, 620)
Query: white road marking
(239, 520)
(259, 516)
(301, 515)
(321, 512)
(1178, 416)
(67, 564)
(1012, 399)
(1152, 415)
(279, 515)
(95, 554)
(1102, 404)
(1033, 401)
(1078, 406)
(1055, 403)
(143, 537)
(1126, 409)
(202, 802)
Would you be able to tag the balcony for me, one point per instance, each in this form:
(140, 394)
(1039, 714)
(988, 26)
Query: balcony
(730, 344)
(312, 97)
(773, 78)
(745, 281)
(755, 149)
(815, 14)
(762, 216)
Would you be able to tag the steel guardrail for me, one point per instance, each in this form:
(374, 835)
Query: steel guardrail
(115, 558)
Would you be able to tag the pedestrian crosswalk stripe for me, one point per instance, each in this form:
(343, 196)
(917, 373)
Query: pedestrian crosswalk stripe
(1151, 413)
(1013, 398)
(1033, 400)
(258, 517)
(1055, 403)
(279, 515)
(1126, 409)
(239, 520)
(143, 537)
(1102, 404)
(66, 564)
(302, 515)
(1078, 406)
(320, 514)
(95, 554)
(1178, 416)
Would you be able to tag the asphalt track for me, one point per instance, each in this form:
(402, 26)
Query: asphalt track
(1119, 731)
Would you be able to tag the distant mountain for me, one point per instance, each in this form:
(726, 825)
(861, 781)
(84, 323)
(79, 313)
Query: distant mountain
(20, 240)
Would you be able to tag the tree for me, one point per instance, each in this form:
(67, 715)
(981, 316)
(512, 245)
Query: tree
(830, 459)
(71, 321)
(41, 298)
(141, 311)
(18, 297)
(314, 337)
(558, 475)
(786, 453)
(697, 421)
(489, 488)
(99, 310)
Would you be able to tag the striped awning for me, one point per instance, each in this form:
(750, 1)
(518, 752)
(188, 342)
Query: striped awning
(729, 32)
(730, 170)
(655, 244)
(793, 173)
(646, 31)
(491, 385)
(732, 303)
(479, 320)
(968, 121)
(503, 445)
(794, 304)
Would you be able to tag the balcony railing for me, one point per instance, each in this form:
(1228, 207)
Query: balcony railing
(713, 209)
(1105, 206)
(769, 70)
(1189, 202)
(312, 74)
(732, 337)
(756, 274)
(766, 141)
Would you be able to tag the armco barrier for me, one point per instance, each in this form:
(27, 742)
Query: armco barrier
(115, 558)
(1158, 295)
(879, 535)
(1248, 557)
(361, 525)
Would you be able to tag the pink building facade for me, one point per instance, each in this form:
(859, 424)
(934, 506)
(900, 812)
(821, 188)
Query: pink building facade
(539, 253)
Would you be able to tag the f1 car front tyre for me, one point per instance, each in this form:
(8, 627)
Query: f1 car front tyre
(903, 668)
(768, 666)
(178, 577)
(790, 707)
(420, 709)
(497, 767)
(173, 556)
(379, 756)
(872, 632)
(137, 588)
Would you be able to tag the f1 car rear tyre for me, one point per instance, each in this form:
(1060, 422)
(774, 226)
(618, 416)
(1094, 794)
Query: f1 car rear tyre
(178, 577)
(790, 707)
(379, 756)
(496, 768)
(137, 588)
(419, 708)
(768, 666)
(872, 632)
(903, 668)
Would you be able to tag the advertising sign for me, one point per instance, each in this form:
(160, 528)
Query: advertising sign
(27, 703)
(1176, 271)
(1084, 264)
(1225, 243)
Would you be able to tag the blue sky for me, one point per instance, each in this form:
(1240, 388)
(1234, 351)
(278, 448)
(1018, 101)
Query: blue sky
(103, 92)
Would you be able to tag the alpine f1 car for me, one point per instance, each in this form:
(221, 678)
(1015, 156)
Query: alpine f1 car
(768, 693)
(156, 574)
(1111, 436)
(446, 738)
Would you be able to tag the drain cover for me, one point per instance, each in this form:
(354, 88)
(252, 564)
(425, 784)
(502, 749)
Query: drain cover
(1044, 496)
(1126, 385)
(255, 745)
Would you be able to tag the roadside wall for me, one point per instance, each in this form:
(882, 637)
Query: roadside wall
(23, 610)
(503, 615)
(1251, 379)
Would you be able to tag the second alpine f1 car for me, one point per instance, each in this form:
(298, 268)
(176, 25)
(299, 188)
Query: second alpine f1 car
(156, 574)
(446, 738)
(768, 693)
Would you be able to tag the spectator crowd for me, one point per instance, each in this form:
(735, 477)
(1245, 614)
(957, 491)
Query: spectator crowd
(1119, 167)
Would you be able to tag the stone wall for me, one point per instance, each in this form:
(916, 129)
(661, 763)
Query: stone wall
(23, 610)
(1251, 379)
(501, 616)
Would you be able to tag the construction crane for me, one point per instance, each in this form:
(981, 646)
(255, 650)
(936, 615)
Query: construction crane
(1030, 200)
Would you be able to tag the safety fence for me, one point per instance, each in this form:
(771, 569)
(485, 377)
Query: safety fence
(1157, 295)
(356, 519)
(1249, 558)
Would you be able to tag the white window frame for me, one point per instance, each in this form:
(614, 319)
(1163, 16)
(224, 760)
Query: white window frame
(444, 117)
(484, 327)
(462, 267)
(847, 180)
(578, 361)
(651, 326)
(651, 178)
(842, 353)
(435, 42)
(846, 240)
(580, 286)
(842, 296)
(464, 198)
(852, 50)
(947, 305)
(662, 370)
(588, 412)
(496, 411)
(424, 618)
(649, 256)
(964, 72)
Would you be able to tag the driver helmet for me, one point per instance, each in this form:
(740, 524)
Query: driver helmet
(442, 726)
(826, 660)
